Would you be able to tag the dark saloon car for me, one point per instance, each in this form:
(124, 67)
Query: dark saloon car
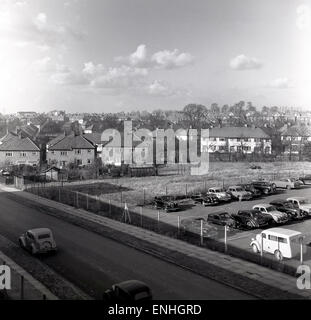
(293, 212)
(306, 179)
(251, 219)
(193, 226)
(256, 193)
(128, 291)
(166, 203)
(264, 187)
(205, 200)
(222, 219)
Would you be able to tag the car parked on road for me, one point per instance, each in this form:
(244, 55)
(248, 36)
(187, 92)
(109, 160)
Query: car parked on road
(220, 193)
(301, 203)
(289, 208)
(283, 243)
(192, 225)
(239, 193)
(278, 216)
(252, 219)
(205, 200)
(287, 183)
(256, 193)
(306, 179)
(221, 219)
(128, 291)
(38, 241)
(264, 186)
(166, 203)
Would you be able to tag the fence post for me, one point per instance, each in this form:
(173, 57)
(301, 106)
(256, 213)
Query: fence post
(22, 287)
(226, 247)
(201, 233)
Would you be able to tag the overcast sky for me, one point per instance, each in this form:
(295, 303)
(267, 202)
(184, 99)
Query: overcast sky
(114, 55)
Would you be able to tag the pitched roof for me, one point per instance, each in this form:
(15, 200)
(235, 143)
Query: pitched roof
(298, 131)
(94, 137)
(72, 142)
(238, 132)
(57, 139)
(15, 143)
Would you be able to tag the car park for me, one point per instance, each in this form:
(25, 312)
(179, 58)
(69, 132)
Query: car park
(220, 193)
(222, 219)
(238, 193)
(278, 216)
(193, 225)
(283, 243)
(264, 186)
(205, 200)
(301, 203)
(251, 219)
(166, 203)
(289, 208)
(128, 291)
(287, 183)
(306, 179)
(38, 241)
(256, 193)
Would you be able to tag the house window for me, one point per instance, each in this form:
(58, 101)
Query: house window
(232, 149)
(246, 140)
(111, 153)
(63, 153)
(78, 151)
(222, 139)
(238, 139)
(89, 150)
(23, 154)
(52, 152)
(79, 162)
(89, 161)
(9, 154)
(34, 153)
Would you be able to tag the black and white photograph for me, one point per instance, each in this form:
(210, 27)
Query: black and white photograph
(155, 153)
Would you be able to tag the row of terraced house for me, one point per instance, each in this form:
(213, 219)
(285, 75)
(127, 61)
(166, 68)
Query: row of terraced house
(83, 149)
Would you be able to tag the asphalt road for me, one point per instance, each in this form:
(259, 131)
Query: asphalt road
(94, 263)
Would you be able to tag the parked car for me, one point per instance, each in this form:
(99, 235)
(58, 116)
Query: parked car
(38, 241)
(220, 193)
(205, 200)
(264, 186)
(193, 225)
(222, 219)
(306, 179)
(301, 203)
(239, 193)
(166, 203)
(283, 243)
(287, 183)
(278, 216)
(251, 219)
(287, 207)
(128, 291)
(256, 193)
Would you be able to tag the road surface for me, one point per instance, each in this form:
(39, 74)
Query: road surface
(94, 263)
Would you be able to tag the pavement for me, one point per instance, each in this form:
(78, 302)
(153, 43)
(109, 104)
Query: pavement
(245, 269)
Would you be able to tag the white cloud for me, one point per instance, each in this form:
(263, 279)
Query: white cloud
(40, 21)
(242, 62)
(172, 59)
(160, 88)
(280, 83)
(303, 20)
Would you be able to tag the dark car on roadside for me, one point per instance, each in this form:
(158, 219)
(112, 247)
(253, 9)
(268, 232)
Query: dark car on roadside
(306, 179)
(205, 200)
(128, 291)
(194, 226)
(251, 219)
(264, 186)
(256, 193)
(293, 212)
(222, 219)
(166, 203)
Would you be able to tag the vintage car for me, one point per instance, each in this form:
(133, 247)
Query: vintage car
(220, 193)
(205, 200)
(38, 241)
(283, 243)
(166, 203)
(256, 193)
(239, 193)
(278, 216)
(222, 219)
(264, 186)
(306, 179)
(251, 219)
(128, 291)
(289, 208)
(192, 225)
(287, 183)
(301, 203)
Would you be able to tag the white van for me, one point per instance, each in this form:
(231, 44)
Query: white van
(283, 243)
